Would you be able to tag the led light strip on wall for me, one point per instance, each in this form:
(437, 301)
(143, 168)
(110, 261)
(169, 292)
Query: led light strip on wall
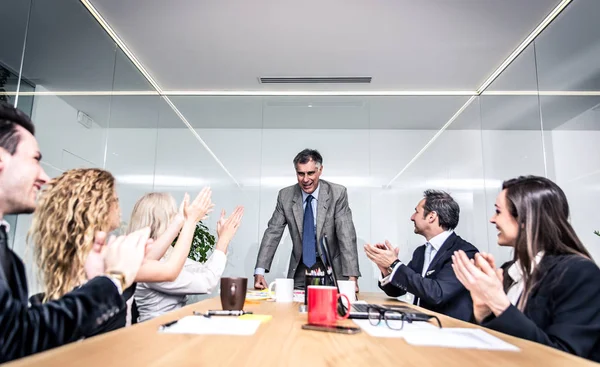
(526, 42)
(85, 93)
(358, 93)
(243, 93)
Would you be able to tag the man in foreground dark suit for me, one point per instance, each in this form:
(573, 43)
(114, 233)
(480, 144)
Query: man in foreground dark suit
(26, 330)
(429, 275)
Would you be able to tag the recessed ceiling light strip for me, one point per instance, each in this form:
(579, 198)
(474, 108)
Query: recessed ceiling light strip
(549, 18)
(121, 44)
(565, 93)
(88, 93)
(552, 93)
(151, 80)
(313, 93)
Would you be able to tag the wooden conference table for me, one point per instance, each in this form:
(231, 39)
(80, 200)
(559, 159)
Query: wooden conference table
(282, 342)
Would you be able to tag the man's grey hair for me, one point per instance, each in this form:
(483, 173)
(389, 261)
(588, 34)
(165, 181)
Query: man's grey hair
(308, 155)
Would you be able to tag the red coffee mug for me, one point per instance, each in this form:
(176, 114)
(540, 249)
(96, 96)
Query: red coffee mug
(322, 305)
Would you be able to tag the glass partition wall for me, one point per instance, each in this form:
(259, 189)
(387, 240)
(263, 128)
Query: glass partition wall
(540, 116)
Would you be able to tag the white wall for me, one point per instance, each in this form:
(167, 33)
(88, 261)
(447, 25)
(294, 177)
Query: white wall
(470, 164)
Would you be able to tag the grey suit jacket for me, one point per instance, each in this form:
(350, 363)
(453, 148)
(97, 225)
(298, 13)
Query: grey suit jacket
(334, 219)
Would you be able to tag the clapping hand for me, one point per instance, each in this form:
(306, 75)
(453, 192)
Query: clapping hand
(183, 207)
(227, 227)
(198, 209)
(383, 255)
(483, 281)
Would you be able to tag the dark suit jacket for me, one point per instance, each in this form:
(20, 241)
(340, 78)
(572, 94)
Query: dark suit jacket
(439, 290)
(27, 330)
(334, 219)
(562, 311)
(117, 321)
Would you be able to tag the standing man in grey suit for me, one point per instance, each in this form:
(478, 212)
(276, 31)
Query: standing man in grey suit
(329, 215)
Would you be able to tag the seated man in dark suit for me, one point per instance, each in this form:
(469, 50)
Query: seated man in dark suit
(429, 275)
(25, 329)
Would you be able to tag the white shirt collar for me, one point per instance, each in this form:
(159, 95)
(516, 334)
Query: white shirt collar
(315, 193)
(439, 240)
(514, 271)
(5, 224)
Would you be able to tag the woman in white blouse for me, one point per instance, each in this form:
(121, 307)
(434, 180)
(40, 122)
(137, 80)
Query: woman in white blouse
(159, 212)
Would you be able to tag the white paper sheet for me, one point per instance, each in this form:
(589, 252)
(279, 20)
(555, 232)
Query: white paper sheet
(216, 325)
(458, 338)
(383, 331)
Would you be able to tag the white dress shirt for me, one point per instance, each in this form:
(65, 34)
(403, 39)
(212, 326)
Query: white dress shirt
(155, 299)
(314, 205)
(515, 273)
(435, 242)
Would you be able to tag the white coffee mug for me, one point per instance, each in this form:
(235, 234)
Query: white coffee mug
(348, 288)
(284, 290)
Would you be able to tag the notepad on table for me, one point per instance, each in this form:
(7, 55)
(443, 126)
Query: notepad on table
(261, 318)
(383, 331)
(257, 295)
(458, 338)
(218, 325)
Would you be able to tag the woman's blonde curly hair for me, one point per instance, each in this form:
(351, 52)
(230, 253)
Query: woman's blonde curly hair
(71, 209)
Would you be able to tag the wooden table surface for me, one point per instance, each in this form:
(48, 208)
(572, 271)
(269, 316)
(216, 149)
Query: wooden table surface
(282, 342)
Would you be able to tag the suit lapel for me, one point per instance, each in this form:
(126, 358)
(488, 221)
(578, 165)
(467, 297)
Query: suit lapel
(418, 260)
(298, 210)
(20, 279)
(322, 205)
(446, 246)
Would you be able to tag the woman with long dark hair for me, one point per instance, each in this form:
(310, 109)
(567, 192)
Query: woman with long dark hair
(550, 292)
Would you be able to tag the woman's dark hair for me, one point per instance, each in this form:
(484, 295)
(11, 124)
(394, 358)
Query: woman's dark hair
(541, 210)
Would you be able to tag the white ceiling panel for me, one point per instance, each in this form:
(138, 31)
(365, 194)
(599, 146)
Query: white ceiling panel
(402, 44)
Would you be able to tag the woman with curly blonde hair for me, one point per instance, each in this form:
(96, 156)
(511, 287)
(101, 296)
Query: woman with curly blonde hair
(71, 209)
(77, 204)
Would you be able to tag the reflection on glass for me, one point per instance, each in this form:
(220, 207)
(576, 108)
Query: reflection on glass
(567, 61)
(74, 54)
(12, 29)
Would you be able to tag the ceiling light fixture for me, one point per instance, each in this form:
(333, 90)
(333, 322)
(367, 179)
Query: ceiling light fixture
(549, 18)
(314, 93)
(315, 80)
(88, 5)
(216, 93)
(522, 46)
(86, 93)
(555, 93)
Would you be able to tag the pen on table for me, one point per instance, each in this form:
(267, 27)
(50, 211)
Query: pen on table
(222, 313)
(164, 326)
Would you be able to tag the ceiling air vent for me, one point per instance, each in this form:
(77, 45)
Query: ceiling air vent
(316, 80)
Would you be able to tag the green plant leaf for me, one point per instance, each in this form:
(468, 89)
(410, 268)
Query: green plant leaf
(203, 243)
